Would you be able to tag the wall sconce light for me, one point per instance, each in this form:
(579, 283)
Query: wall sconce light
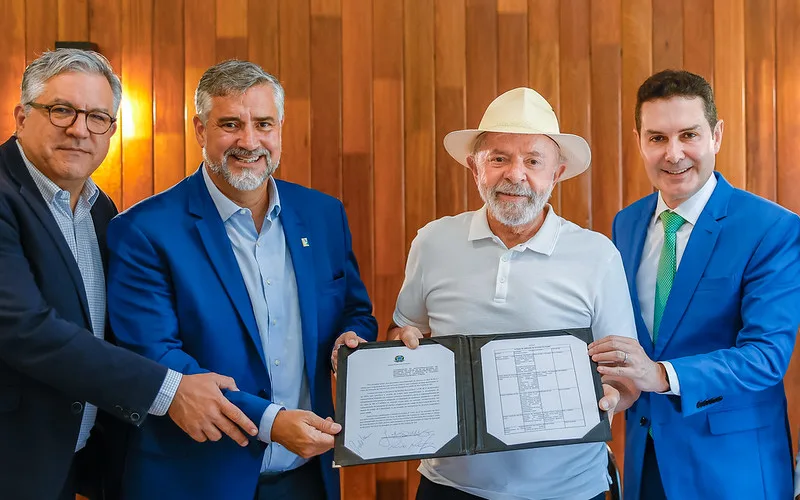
(77, 45)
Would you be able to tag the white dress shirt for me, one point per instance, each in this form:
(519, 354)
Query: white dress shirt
(461, 278)
(690, 210)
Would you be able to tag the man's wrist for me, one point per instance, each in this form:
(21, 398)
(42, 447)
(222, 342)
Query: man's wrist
(663, 378)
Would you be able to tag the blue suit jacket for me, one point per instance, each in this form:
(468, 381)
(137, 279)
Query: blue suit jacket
(176, 295)
(728, 329)
(49, 358)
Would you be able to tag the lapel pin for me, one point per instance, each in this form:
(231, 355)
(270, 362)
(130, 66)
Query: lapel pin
(304, 241)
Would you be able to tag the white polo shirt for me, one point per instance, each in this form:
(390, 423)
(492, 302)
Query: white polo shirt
(461, 279)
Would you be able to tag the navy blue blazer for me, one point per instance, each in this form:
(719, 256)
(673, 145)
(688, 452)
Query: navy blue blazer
(50, 362)
(729, 331)
(176, 295)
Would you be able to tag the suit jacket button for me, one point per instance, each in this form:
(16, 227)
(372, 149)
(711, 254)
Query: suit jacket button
(643, 421)
(76, 407)
(135, 417)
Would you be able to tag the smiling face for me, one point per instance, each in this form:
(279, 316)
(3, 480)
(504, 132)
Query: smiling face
(241, 139)
(515, 175)
(678, 146)
(67, 156)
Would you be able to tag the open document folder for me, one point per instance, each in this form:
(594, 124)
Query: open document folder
(465, 394)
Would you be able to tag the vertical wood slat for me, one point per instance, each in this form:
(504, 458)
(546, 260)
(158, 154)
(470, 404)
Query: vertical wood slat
(544, 61)
(698, 38)
(452, 178)
(667, 24)
(637, 56)
(481, 45)
(41, 27)
(73, 20)
(137, 101)
(512, 37)
(760, 102)
(729, 77)
(12, 64)
(575, 99)
(295, 62)
(105, 27)
(231, 29)
(419, 112)
(326, 96)
(388, 193)
(263, 33)
(168, 94)
(360, 482)
(199, 54)
(606, 77)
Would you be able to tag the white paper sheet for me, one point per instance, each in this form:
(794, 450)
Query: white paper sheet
(538, 389)
(400, 401)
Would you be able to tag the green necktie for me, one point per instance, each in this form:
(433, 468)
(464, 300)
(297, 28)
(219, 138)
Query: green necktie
(667, 265)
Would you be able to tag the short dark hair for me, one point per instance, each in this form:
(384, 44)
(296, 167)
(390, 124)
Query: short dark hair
(676, 83)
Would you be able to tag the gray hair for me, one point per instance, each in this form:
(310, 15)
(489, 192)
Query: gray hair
(55, 62)
(233, 77)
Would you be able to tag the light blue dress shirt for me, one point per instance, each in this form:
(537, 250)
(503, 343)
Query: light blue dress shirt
(268, 274)
(78, 230)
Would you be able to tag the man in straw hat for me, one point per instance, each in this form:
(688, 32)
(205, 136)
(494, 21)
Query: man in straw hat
(715, 279)
(515, 265)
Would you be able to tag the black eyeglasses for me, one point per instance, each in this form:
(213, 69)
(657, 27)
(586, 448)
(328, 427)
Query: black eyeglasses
(64, 116)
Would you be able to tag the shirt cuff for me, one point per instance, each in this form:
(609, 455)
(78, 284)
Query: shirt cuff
(672, 377)
(166, 394)
(267, 419)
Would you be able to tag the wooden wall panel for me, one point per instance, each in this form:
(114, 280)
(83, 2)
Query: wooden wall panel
(137, 101)
(373, 87)
(168, 95)
(637, 56)
(105, 26)
(730, 91)
(199, 54)
(576, 90)
(760, 91)
(12, 64)
(698, 35)
(667, 34)
(388, 192)
(295, 68)
(452, 178)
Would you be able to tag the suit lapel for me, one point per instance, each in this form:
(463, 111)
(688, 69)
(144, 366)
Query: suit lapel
(30, 193)
(638, 230)
(302, 251)
(695, 258)
(220, 254)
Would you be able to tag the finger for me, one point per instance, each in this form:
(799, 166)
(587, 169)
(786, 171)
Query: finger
(231, 430)
(237, 416)
(351, 340)
(224, 382)
(611, 357)
(212, 433)
(197, 434)
(617, 371)
(409, 339)
(609, 339)
(618, 344)
(323, 425)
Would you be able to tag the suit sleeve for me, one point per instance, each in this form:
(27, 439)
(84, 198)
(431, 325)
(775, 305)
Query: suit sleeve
(141, 308)
(770, 310)
(357, 315)
(37, 342)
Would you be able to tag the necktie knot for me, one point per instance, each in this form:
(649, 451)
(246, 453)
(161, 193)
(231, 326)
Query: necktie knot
(672, 221)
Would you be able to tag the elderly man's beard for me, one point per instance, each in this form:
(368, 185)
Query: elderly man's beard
(514, 213)
(247, 179)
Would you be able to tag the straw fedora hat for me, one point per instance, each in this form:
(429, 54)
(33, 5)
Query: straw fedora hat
(522, 111)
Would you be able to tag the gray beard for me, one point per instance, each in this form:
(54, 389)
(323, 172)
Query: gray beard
(511, 213)
(246, 180)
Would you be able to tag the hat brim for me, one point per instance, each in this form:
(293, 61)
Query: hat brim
(575, 149)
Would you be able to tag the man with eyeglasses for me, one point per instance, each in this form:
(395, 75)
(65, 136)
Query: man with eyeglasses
(61, 380)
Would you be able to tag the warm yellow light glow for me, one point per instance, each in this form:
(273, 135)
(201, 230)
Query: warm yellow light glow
(128, 117)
